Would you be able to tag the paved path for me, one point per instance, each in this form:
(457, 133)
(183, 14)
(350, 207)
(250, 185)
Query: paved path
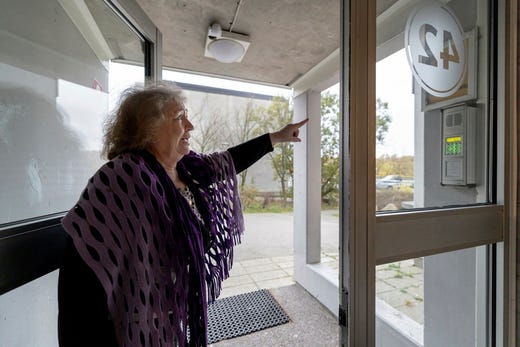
(265, 260)
(271, 235)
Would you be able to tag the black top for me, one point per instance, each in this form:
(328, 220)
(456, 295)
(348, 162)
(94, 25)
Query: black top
(248, 153)
(84, 319)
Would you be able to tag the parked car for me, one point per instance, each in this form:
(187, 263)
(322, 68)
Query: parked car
(389, 182)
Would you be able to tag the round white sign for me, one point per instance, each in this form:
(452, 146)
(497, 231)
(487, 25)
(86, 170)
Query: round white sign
(434, 42)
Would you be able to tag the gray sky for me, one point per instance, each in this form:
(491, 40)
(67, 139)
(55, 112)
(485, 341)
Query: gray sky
(393, 85)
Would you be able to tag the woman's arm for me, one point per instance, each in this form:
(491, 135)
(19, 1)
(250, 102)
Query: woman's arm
(248, 153)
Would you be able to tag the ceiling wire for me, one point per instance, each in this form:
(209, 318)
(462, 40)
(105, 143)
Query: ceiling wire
(239, 3)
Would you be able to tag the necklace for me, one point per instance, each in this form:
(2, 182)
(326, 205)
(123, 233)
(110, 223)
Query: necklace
(207, 237)
(188, 195)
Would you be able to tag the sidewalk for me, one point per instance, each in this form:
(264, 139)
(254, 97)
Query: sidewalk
(264, 260)
(262, 273)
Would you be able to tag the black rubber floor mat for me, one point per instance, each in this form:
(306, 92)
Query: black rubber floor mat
(243, 314)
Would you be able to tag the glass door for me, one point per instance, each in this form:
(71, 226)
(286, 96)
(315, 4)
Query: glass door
(423, 173)
(62, 66)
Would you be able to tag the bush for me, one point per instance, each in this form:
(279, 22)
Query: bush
(254, 201)
(391, 199)
(248, 196)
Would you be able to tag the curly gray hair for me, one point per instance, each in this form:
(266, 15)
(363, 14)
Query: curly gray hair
(132, 126)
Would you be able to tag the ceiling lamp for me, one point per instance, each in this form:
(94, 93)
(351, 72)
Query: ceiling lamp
(225, 46)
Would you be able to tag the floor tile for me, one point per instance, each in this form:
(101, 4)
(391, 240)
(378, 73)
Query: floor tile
(396, 298)
(289, 271)
(268, 275)
(280, 282)
(231, 291)
(237, 271)
(261, 268)
(286, 264)
(283, 259)
(402, 282)
(233, 281)
(255, 262)
(382, 287)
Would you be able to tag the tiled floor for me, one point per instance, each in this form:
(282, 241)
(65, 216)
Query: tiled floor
(262, 263)
(399, 284)
(263, 273)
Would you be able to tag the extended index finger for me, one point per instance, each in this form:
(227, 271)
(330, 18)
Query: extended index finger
(301, 123)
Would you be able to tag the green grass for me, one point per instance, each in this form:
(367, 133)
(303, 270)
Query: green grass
(270, 209)
(274, 207)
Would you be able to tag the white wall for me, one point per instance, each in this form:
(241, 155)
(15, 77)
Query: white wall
(29, 314)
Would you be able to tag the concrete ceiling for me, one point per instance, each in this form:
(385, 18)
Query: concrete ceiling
(287, 37)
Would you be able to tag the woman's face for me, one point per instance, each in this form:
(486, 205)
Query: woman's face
(174, 131)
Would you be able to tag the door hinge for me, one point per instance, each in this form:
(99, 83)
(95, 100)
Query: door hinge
(342, 317)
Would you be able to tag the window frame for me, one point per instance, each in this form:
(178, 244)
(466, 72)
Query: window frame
(361, 227)
(34, 247)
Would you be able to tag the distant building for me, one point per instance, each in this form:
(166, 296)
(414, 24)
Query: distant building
(205, 107)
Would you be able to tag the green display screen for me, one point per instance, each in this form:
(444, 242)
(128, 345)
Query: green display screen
(453, 145)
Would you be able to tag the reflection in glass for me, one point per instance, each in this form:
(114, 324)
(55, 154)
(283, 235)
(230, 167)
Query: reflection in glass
(330, 175)
(54, 96)
(430, 149)
(433, 154)
(394, 134)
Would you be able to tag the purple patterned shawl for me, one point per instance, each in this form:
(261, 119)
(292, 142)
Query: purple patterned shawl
(144, 243)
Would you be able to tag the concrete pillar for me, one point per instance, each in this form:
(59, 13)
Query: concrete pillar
(307, 177)
(318, 279)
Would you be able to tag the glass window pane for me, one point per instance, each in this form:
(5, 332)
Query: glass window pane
(55, 85)
(438, 300)
(431, 114)
(330, 174)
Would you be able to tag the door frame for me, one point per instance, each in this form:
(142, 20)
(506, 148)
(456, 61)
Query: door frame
(360, 226)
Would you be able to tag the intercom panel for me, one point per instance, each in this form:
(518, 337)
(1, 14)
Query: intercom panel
(459, 146)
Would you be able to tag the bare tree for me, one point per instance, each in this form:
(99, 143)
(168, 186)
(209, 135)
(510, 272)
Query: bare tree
(210, 127)
(278, 115)
(245, 125)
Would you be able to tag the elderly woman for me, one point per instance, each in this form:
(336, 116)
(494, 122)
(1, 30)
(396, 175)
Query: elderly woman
(152, 235)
